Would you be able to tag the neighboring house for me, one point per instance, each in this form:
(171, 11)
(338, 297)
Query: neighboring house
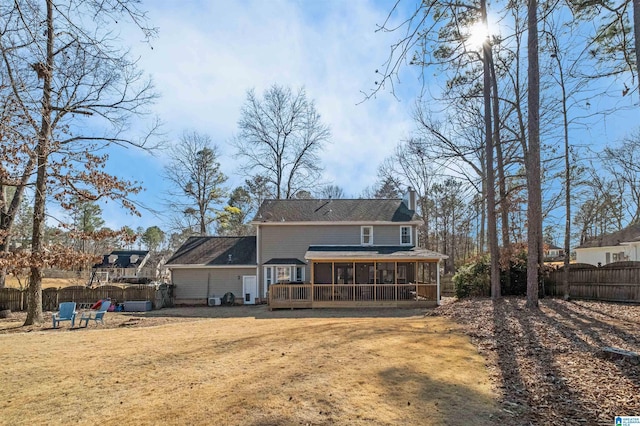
(210, 267)
(552, 252)
(155, 267)
(127, 266)
(620, 246)
(328, 252)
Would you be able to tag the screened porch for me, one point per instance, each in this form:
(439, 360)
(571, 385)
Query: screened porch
(362, 283)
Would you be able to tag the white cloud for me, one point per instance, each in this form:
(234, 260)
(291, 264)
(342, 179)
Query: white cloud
(209, 54)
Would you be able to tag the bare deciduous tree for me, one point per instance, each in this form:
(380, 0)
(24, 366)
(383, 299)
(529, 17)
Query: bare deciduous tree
(331, 191)
(76, 92)
(197, 181)
(280, 137)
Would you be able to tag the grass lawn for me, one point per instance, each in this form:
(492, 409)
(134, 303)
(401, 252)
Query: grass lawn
(254, 368)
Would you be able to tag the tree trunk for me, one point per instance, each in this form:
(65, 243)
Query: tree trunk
(532, 160)
(490, 179)
(502, 184)
(567, 184)
(34, 296)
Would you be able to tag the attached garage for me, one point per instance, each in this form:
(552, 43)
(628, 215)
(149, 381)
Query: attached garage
(207, 268)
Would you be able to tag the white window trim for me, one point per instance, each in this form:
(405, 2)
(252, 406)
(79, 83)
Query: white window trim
(274, 269)
(410, 234)
(370, 243)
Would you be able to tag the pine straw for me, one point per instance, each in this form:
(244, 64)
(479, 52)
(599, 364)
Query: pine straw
(548, 366)
(248, 366)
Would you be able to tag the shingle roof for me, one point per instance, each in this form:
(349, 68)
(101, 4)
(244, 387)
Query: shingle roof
(216, 251)
(284, 261)
(371, 252)
(338, 210)
(627, 235)
(123, 259)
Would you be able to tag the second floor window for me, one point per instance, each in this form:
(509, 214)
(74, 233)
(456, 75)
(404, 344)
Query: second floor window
(405, 235)
(366, 235)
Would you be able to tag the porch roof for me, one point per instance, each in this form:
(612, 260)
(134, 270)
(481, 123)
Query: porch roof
(390, 253)
(284, 261)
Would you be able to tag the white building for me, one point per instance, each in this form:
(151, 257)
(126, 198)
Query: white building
(620, 246)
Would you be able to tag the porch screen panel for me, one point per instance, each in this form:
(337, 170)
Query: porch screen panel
(343, 273)
(406, 272)
(322, 273)
(364, 273)
(426, 272)
(386, 273)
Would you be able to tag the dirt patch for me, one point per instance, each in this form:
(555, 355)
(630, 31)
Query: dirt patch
(548, 365)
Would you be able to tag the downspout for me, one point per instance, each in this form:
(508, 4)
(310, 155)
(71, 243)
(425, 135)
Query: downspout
(260, 282)
(438, 282)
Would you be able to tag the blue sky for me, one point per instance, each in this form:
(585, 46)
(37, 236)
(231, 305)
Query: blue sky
(209, 53)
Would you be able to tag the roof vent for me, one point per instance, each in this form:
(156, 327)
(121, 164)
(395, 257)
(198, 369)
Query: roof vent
(229, 258)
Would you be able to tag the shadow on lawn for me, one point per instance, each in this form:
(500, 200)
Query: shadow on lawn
(599, 331)
(545, 366)
(538, 352)
(262, 312)
(436, 401)
(595, 329)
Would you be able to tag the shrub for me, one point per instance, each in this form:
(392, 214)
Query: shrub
(473, 279)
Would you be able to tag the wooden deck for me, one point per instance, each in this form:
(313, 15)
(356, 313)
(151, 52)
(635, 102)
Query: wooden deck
(292, 296)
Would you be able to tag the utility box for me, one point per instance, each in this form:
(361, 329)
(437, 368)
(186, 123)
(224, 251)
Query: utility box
(137, 305)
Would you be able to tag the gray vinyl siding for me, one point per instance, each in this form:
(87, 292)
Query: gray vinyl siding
(292, 241)
(192, 283)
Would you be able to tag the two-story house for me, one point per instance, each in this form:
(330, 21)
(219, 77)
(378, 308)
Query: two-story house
(322, 253)
(123, 266)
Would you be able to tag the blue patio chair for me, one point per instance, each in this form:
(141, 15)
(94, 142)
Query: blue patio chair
(67, 313)
(96, 316)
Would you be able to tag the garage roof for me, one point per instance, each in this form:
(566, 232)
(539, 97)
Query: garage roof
(216, 251)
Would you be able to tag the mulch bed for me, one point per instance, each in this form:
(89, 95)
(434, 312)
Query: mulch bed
(548, 366)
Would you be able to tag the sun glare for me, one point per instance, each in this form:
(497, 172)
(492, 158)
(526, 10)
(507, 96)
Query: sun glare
(476, 35)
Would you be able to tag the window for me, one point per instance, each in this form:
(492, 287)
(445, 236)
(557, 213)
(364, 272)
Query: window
(366, 235)
(267, 276)
(619, 257)
(283, 273)
(405, 235)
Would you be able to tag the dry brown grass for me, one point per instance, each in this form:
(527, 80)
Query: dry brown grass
(13, 282)
(249, 367)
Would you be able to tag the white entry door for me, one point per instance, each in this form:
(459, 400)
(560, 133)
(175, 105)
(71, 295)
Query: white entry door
(249, 289)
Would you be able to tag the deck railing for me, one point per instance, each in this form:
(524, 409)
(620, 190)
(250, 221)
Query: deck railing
(305, 295)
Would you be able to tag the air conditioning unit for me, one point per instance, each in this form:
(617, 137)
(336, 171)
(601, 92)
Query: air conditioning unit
(214, 301)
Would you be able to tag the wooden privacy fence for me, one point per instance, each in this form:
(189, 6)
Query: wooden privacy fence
(609, 283)
(16, 300)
